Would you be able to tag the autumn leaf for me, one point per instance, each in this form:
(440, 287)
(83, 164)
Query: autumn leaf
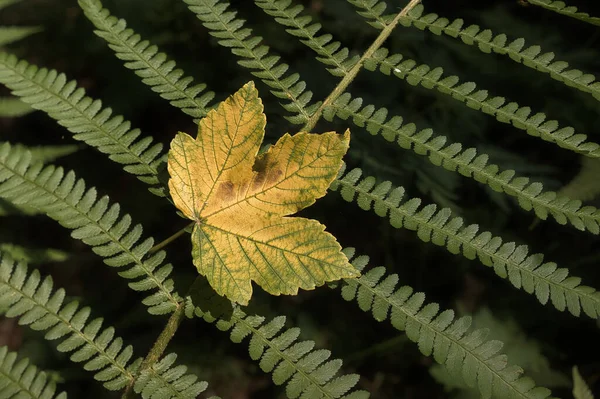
(241, 202)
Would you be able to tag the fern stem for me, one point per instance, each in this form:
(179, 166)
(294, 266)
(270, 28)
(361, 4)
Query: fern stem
(159, 346)
(349, 77)
(170, 239)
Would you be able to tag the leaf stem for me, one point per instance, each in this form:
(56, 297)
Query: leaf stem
(349, 77)
(170, 239)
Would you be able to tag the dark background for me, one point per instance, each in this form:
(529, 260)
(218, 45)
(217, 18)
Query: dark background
(390, 365)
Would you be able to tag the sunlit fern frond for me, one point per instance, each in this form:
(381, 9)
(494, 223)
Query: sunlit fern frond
(62, 100)
(467, 162)
(520, 117)
(153, 66)
(466, 353)
(329, 52)
(21, 379)
(95, 221)
(509, 260)
(306, 371)
(41, 307)
(230, 33)
(485, 41)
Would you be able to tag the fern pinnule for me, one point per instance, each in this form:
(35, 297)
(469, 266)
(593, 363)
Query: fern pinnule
(95, 221)
(62, 100)
(24, 380)
(466, 162)
(466, 353)
(570, 11)
(535, 125)
(372, 11)
(328, 52)
(155, 69)
(509, 260)
(11, 34)
(228, 30)
(308, 372)
(585, 186)
(486, 42)
(13, 107)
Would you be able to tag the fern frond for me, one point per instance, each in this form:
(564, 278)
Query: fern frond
(329, 53)
(39, 306)
(535, 125)
(464, 352)
(509, 260)
(372, 11)
(466, 162)
(13, 107)
(486, 42)
(94, 220)
(162, 380)
(531, 56)
(11, 34)
(49, 91)
(585, 186)
(308, 372)
(228, 30)
(570, 11)
(20, 379)
(155, 69)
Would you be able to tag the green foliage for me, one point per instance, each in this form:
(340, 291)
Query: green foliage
(95, 221)
(33, 255)
(465, 354)
(466, 162)
(580, 388)
(486, 42)
(308, 372)
(12, 107)
(585, 185)
(562, 8)
(51, 92)
(39, 305)
(518, 347)
(23, 380)
(42, 308)
(520, 117)
(223, 25)
(531, 56)
(509, 260)
(329, 51)
(155, 69)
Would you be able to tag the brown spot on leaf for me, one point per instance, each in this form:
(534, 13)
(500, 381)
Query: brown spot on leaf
(225, 191)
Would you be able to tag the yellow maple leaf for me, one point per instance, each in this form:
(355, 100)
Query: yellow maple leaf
(240, 202)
